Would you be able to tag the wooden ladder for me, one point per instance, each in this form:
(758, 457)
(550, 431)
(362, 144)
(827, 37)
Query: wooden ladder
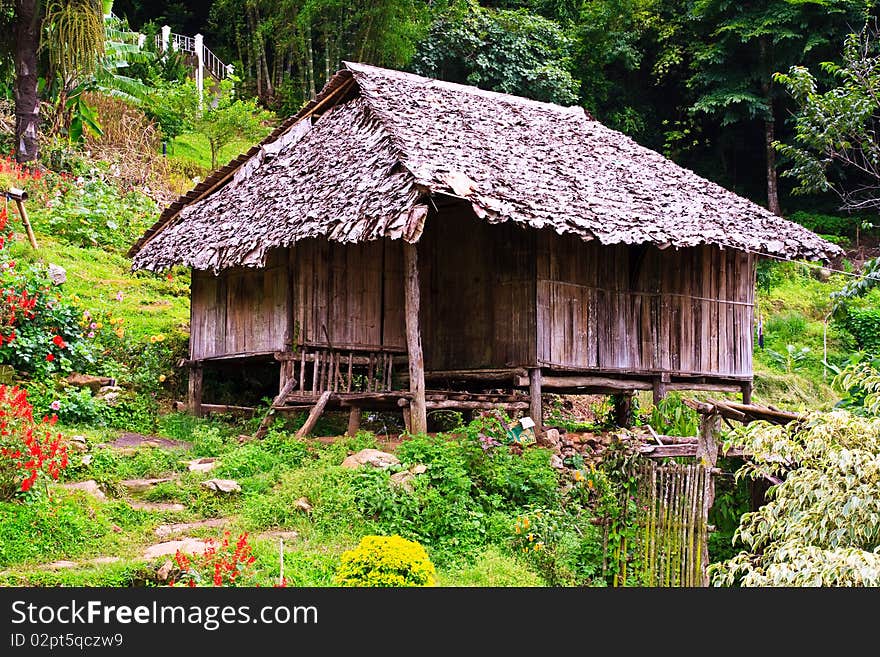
(279, 401)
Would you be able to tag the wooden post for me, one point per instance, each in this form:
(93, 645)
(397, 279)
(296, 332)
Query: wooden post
(747, 392)
(623, 409)
(418, 411)
(354, 421)
(536, 410)
(707, 456)
(194, 397)
(659, 387)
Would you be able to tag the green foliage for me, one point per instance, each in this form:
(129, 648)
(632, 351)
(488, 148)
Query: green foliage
(821, 526)
(94, 212)
(385, 561)
(672, 417)
(790, 360)
(864, 324)
(830, 224)
(513, 52)
(491, 567)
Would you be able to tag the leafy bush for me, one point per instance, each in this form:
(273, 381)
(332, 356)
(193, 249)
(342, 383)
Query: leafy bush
(826, 223)
(672, 417)
(385, 561)
(864, 324)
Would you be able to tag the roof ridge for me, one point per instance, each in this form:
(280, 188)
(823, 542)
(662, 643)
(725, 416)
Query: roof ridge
(358, 67)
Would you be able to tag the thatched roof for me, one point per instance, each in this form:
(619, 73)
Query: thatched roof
(364, 159)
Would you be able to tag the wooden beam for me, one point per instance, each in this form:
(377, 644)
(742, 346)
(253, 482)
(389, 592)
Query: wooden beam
(263, 429)
(707, 455)
(536, 409)
(247, 411)
(604, 383)
(710, 387)
(452, 404)
(747, 393)
(418, 412)
(194, 390)
(27, 224)
(315, 414)
(479, 375)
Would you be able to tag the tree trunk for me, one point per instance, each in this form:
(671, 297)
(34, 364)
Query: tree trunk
(772, 190)
(27, 102)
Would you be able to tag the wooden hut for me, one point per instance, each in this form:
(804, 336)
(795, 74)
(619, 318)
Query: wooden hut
(407, 242)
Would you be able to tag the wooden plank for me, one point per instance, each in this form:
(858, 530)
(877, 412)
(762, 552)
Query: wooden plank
(567, 382)
(418, 419)
(314, 415)
(279, 400)
(194, 390)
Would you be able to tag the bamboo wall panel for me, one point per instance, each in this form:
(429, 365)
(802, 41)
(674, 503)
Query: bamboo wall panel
(642, 309)
(478, 293)
(243, 310)
(348, 294)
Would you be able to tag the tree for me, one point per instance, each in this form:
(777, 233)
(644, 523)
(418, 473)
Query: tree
(72, 32)
(821, 526)
(836, 146)
(739, 46)
(513, 52)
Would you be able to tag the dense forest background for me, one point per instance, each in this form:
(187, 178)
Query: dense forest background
(690, 78)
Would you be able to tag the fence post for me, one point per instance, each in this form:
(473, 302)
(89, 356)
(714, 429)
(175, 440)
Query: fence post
(142, 39)
(166, 37)
(230, 70)
(200, 66)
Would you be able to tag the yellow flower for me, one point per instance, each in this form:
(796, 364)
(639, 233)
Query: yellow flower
(526, 522)
(531, 537)
(152, 338)
(119, 332)
(160, 338)
(75, 298)
(539, 546)
(100, 325)
(578, 475)
(161, 378)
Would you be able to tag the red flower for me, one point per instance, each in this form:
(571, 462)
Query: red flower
(59, 342)
(50, 357)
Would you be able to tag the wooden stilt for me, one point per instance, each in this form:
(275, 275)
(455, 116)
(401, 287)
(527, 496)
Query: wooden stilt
(660, 387)
(407, 419)
(27, 224)
(747, 392)
(195, 390)
(536, 410)
(623, 409)
(707, 456)
(354, 421)
(418, 412)
(279, 401)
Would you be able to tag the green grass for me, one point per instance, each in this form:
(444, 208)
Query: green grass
(151, 304)
(492, 567)
(195, 148)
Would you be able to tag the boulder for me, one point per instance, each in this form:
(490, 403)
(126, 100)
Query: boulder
(91, 487)
(95, 383)
(373, 457)
(222, 485)
(156, 506)
(163, 531)
(164, 571)
(549, 438)
(202, 465)
(137, 485)
(556, 462)
(79, 444)
(170, 548)
(57, 274)
(303, 504)
(403, 479)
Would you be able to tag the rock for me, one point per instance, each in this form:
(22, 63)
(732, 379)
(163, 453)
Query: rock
(137, 485)
(109, 394)
(78, 443)
(101, 561)
(156, 506)
(373, 457)
(116, 528)
(163, 531)
(403, 479)
(95, 383)
(86, 459)
(222, 485)
(91, 487)
(549, 438)
(556, 462)
(61, 565)
(203, 465)
(170, 548)
(131, 441)
(57, 274)
(303, 504)
(164, 571)
(419, 469)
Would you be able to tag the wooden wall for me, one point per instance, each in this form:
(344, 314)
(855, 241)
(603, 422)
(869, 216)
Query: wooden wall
(304, 290)
(477, 293)
(241, 311)
(642, 309)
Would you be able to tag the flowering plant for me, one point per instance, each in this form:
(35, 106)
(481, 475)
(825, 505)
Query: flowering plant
(29, 449)
(225, 565)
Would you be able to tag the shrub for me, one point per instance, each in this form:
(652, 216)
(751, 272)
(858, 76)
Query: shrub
(29, 450)
(864, 324)
(385, 561)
